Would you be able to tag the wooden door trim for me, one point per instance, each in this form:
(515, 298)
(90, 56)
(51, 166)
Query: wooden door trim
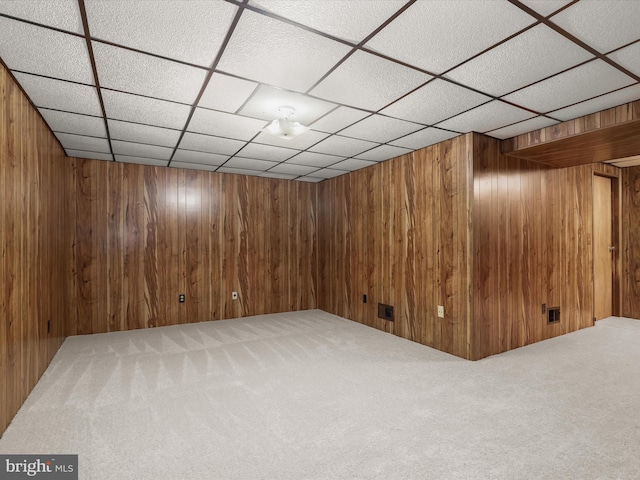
(616, 238)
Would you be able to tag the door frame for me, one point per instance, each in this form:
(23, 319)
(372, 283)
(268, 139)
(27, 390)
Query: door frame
(616, 238)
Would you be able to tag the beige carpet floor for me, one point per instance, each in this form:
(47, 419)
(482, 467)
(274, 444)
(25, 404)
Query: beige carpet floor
(311, 395)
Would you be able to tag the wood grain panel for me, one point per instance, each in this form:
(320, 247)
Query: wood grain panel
(399, 232)
(532, 235)
(631, 245)
(34, 247)
(153, 233)
(606, 135)
(595, 121)
(609, 142)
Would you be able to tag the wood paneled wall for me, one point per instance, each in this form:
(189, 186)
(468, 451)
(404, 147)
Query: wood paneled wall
(398, 232)
(532, 231)
(34, 243)
(588, 123)
(631, 236)
(146, 234)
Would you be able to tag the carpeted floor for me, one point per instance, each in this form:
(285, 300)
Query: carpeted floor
(311, 395)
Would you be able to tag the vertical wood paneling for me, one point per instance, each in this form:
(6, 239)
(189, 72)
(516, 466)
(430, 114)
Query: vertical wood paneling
(100, 322)
(86, 247)
(134, 255)
(34, 247)
(195, 208)
(532, 233)
(170, 231)
(399, 232)
(116, 312)
(631, 244)
(151, 260)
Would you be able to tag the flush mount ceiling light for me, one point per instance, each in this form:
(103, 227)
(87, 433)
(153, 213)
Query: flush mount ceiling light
(284, 127)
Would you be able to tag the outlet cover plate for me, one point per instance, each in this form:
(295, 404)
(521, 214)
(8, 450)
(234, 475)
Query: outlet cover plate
(440, 311)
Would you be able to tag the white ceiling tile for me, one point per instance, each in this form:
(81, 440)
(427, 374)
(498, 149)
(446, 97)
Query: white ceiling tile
(313, 159)
(338, 119)
(267, 152)
(580, 83)
(309, 179)
(154, 162)
(269, 51)
(280, 176)
(190, 31)
(352, 164)
(328, 173)
(133, 132)
(209, 144)
(437, 35)
(434, 102)
(89, 155)
(226, 93)
(80, 142)
(531, 56)
(424, 138)
(309, 138)
(134, 108)
(522, 127)
(628, 58)
(291, 169)
(249, 164)
(486, 117)
(381, 129)
(545, 7)
(43, 51)
(351, 21)
(343, 146)
(223, 124)
(143, 74)
(603, 24)
(238, 171)
(188, 156)
(194, 166)
(613, 99)
(383, 152)
(74, 123)
(62, 14)
(60, 95)
(141, 150)
(368, 81)
(266, 103)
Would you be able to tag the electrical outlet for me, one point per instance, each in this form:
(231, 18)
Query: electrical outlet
(234, 295)
(440, 311)
(181, 298)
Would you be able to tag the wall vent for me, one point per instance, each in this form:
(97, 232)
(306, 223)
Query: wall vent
(553, 315)
(385, 312)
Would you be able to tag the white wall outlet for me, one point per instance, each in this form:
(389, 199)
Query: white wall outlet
(234, 295)
(440, 311)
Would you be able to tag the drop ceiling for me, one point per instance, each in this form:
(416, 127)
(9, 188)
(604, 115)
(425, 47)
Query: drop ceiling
(192, 84)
